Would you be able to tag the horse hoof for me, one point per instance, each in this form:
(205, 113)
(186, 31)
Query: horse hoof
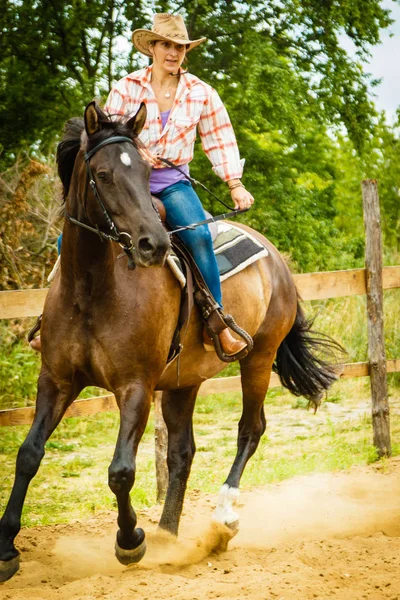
(129, 557)
(8, 568)
(234, 527)
(226, 531)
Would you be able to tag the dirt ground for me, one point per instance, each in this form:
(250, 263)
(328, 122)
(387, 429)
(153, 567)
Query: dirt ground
(330, 535)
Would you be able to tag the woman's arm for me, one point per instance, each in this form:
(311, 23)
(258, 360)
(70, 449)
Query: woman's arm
(219, 143)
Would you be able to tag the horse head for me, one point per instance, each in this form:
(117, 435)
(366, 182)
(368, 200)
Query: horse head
(110, 185)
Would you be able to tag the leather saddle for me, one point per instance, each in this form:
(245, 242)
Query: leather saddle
(197, 292)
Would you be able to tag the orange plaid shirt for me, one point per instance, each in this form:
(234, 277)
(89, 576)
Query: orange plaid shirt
(196, 106)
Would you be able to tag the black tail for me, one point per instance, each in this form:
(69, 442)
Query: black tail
(307, 361)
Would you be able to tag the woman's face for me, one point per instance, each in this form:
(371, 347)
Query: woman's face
(168, 55)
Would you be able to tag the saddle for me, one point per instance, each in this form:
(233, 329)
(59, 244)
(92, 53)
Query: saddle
(196, 291)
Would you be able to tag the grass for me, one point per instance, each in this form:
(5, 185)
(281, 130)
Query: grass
(72, 481)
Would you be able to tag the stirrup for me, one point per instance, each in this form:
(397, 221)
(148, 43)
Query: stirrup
(230, 322)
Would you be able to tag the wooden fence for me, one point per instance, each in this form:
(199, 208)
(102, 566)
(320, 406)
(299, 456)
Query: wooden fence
(311, 286)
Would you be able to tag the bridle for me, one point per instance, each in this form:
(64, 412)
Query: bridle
(118, 236)
(115, 235)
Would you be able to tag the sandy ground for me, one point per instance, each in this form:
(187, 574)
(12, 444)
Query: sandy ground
(330, 535)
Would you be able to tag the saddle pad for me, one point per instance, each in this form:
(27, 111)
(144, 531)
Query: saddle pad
(235, 249)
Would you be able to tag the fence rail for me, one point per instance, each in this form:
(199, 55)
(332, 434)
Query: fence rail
(311, 286)
(220, 385)
(17, 304)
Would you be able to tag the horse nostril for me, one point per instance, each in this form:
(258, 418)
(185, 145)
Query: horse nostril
(145, 245)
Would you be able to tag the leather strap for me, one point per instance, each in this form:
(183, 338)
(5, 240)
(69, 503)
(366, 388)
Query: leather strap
(184, 315)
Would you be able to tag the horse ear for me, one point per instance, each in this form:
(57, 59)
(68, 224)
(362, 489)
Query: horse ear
(137, 122)
(91, 118)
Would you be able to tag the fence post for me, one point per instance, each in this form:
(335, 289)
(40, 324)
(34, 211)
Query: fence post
(376, 339)
(161, 446)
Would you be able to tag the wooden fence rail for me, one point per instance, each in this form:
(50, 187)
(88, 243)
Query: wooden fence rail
(311, 286)
(220, 385)
(17, 304)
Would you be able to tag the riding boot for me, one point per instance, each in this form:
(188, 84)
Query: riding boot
(229, 344)
(218, 337)
(36, 344)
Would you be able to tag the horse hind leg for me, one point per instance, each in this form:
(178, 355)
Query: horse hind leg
(51, 405)
(178, 407)
(255, 375)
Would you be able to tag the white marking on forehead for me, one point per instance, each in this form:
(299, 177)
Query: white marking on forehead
(126, 159)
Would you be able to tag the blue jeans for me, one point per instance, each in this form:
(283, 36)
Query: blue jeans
(183, 207)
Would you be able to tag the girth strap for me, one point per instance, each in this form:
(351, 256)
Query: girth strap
(185, 312)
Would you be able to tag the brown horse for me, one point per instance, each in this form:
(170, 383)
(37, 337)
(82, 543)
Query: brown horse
(110, 326)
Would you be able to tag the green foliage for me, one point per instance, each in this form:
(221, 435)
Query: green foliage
(284, 76)
(29, 214)
(55, 56)
(19, 369)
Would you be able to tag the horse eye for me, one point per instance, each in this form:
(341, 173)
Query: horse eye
(103, 176)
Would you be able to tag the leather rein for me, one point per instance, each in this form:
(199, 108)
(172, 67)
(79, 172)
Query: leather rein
(115, 235)
(118, 236)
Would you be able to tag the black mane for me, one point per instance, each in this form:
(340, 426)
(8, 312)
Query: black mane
(70, 144)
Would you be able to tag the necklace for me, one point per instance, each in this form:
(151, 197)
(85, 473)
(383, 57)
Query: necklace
(167, 94)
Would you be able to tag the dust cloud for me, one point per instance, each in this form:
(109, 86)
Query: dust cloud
(358, 503)
(310, 537)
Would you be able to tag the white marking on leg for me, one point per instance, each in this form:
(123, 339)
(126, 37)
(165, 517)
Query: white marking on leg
(126, 159)
(224, 513)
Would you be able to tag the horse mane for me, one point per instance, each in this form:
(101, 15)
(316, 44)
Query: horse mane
(71, 142)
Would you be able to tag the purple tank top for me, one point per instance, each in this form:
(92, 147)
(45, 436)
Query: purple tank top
(163, 178)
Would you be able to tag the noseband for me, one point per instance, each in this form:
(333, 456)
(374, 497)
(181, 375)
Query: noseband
(115, 235)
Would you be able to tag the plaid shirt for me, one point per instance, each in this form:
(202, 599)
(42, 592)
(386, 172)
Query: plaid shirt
(196, 105)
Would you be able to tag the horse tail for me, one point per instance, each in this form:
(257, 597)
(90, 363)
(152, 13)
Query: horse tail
(307, 361)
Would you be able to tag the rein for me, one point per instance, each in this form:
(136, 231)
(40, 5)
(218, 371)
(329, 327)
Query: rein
(115, 235)
(118, 236)
(232, 213)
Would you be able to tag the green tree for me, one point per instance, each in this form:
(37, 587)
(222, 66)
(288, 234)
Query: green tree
(288, 84)
(55, 57)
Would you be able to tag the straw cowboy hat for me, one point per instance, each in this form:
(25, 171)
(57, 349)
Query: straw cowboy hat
(170, 28)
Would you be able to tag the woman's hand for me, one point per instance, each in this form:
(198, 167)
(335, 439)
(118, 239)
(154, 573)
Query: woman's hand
(240, 196)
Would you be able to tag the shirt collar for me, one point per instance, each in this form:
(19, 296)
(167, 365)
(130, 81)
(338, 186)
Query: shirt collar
(144, 77)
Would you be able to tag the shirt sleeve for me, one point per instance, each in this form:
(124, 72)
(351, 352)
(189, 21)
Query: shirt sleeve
(120, 102)
(218, 139)
(114, 102)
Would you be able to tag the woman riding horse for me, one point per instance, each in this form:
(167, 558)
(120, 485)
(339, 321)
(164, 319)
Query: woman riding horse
(106, 325)
(177, 103)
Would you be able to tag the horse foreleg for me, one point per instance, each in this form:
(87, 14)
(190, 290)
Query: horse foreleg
(178, 409)
(134, 406)
(255, 375)
(51, 405)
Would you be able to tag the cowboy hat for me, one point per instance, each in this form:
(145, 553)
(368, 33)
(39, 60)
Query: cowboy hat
(170, 28)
